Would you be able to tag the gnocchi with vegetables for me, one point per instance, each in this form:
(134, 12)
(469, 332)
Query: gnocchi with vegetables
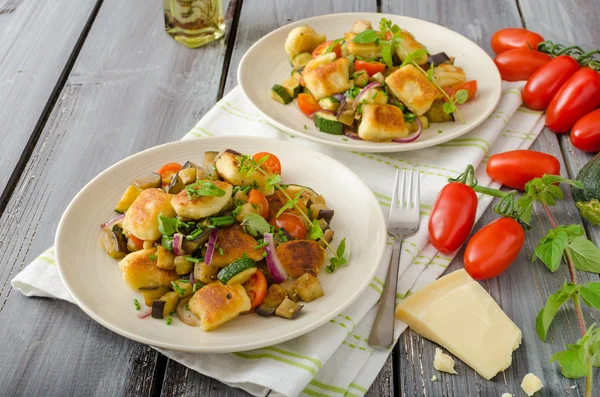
(371, 84)
(207, 243)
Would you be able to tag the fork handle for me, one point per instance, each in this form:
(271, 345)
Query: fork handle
(382, 332)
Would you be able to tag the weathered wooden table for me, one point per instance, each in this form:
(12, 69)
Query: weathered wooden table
(86, 83)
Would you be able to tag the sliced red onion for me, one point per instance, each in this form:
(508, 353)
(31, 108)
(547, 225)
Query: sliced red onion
(277, 271)
(210, 249)
(192, 277)
(186, 315)
(145, 313)
(339, 97)
(351, 134)
(412, 137)
(177, 244)
(363, 92)
(341, 107)
(112, 222)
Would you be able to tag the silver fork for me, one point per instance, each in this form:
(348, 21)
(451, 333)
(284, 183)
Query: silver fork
(403, 221)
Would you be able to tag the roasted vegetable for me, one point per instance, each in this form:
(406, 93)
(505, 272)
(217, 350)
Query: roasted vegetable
(308, 287)
(288, 309)
(436, 113)
(152, 293)
(149, 181)
(165, 258)
(188, 175)
(275, 295)
(128, 198)
(238, 271)
(168, 303)
(182, 265)
(190, 246)
(114, 243)
(205, 273)
(183, 288)
(289, 286)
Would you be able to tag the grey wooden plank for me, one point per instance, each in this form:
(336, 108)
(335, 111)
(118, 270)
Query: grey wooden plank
(523, 289)
(31, 69)
(257, 19)
(131, 87)
(570, 22)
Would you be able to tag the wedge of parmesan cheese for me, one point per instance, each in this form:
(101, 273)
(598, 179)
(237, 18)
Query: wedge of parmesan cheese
(458, 314)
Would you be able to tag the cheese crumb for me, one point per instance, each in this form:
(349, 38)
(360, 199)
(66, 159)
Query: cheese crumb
(433, 378)
(531, 384)
(443, 362)
(506, 395)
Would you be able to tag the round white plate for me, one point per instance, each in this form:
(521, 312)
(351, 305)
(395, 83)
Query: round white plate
(266, 63)
(94, 280)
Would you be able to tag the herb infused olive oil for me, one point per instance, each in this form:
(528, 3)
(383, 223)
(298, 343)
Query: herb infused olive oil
(194, 23)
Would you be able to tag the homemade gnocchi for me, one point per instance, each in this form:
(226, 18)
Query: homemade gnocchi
(350, 85)
(206, 242)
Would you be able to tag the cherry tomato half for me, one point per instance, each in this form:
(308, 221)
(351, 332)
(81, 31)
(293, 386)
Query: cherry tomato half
(469, 86)
(494, 248)
(292, 224)
(167, 171)
(307, 104)
(370, 67)
(520, 64)
(321, 48)
(272, 165)
(138, 242)
(259, 200)
(517, 167)
(511, 38)
(452, 217)
(585, 134)
(256, 288)
(576, 98)
(547, 80)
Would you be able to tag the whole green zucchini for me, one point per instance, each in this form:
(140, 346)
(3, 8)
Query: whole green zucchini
(587, 198)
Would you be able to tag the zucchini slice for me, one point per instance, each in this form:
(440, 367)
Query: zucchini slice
(300, 60)
(329, 103)
(436, 113)
(292, 85)
(280, 94)
(328, 123)
(244, 267)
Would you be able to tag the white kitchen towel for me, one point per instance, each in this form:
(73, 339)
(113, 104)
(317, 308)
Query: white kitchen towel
(335, 359)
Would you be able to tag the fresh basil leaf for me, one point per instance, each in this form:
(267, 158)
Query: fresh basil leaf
(554, 302)
(449, 107)
(167, 226)
(545, 191)
(332, 46)
(525, 207)
(290, 203)
(590, 293)
(413, 55)
(585, 254)
(461, 96)
(315, 230)
(255, 225)
(202, 189)
(590, 210)
(386, 54)
(366, 37)
(551, 248)
(572, 361)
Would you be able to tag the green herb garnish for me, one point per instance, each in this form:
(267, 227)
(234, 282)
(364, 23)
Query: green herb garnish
(169, 321)
(255, 225)
(203, 188)
(136, 303)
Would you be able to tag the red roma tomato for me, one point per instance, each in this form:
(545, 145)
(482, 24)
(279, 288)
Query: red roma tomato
(272, 165)
(577, 97)
(517, 167)
(585, 134)
(520, 64)
(256, 288)
(371, 67)
(452, 217)
(323, 47)
(511, 38)
(138, 242)
(545, 83)
(493, 248)
(258, 199)
(291, 223)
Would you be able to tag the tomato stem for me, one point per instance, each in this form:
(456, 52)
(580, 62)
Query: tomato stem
(490, 192)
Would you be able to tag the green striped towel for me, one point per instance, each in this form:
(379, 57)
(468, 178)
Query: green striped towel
(335, 359)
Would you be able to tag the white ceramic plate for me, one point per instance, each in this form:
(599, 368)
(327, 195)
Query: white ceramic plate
(94, 280)
(266, 63)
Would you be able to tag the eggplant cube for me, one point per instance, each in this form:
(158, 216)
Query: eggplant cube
(288, 309)
(309, 287)
(165, 258)
(275, 295)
